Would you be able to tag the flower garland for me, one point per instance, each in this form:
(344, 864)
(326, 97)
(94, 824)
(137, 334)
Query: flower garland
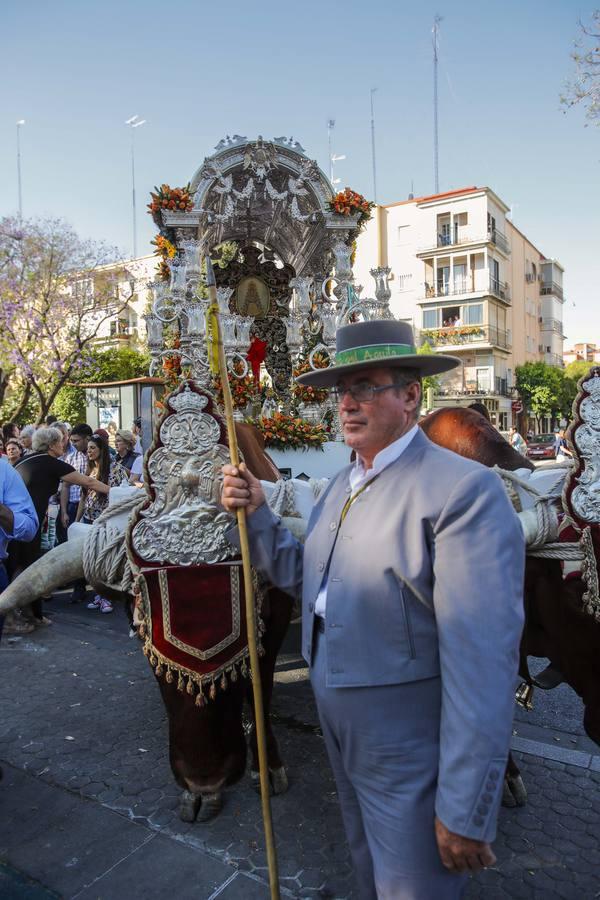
(349, 203)
(166, 197)
(453, 334)
(284, 432)
(303, 393)
(243, 390)
(171, 368)
(166, 250)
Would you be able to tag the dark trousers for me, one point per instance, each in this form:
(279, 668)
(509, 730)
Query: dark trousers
(3, 585)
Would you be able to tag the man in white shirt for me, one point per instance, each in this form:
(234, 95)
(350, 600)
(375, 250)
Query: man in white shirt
(411, 578)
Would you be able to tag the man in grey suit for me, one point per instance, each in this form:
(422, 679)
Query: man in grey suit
(411, 578)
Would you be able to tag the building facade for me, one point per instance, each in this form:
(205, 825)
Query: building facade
(582, 353)
(132, 296)
(471, 284)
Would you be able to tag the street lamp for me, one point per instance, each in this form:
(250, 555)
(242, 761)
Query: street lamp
(20, 122)
(134, 122)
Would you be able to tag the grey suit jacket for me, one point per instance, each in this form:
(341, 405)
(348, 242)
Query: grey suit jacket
(424, 578)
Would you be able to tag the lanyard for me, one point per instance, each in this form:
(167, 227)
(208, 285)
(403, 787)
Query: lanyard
(350, 500)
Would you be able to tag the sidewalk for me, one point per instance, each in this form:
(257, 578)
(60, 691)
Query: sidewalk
(89, 808)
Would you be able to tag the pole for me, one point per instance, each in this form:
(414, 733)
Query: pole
(436, 27)
(373, 146)
(330, 127)
(259, 715)
(19, 123)
(133, 194)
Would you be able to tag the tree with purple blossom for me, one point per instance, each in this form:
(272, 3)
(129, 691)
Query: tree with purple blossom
(56, 291)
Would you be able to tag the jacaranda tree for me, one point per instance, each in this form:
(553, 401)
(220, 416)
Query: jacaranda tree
(55, 296)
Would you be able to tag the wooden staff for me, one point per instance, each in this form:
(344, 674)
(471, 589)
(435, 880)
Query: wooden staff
(213, 329)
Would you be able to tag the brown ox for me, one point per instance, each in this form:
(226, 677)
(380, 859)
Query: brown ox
(555, 625)
(207, 745)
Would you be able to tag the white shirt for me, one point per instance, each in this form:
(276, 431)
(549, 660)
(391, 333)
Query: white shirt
(359, 476)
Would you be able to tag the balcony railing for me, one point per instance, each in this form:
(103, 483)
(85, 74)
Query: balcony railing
(460, 237)
(552, 288)
(500, 289)
(500, 240)
(461, 335)
(552, 325)
(462, 286)
(554, 359)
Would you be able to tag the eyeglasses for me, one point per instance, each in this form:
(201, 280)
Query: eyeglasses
(363, 392)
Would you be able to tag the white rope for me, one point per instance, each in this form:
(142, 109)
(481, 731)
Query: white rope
(283, 500)
(544, 507)
(104, 551)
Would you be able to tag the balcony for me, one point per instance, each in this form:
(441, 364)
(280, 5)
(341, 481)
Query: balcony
(553, 359)
(497, 288)
(500, 289)
(552, 325)
(500, 240)
(552, 288)
(461, 237)
(465, 335)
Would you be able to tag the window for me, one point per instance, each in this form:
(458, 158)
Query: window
(483, 379)
(430, 318)
(443, 280)
(460, 278)
(473, 315)
(491, 222)
(84, 291)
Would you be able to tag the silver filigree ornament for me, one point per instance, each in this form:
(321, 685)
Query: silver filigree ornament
(585, 497)
(184, 523)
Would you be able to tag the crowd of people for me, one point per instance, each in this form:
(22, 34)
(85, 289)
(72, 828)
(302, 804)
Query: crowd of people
(67, 472)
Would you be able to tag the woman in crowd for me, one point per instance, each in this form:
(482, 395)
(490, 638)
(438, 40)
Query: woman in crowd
(26, 437)
(14, 451)
(42, 471)
(93, 502)
(124, 445)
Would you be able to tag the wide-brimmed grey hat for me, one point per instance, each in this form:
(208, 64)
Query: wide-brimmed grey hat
(379, 342)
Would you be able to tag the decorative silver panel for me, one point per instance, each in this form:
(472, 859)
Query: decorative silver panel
(183, 523)
(585, 497)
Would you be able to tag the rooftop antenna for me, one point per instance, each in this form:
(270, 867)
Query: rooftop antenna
(435, 32)
(373, 146)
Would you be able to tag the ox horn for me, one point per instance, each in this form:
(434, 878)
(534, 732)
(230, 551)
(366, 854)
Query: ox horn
(60, 566)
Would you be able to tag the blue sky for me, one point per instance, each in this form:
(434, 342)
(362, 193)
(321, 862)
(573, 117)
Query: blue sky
(197, 71)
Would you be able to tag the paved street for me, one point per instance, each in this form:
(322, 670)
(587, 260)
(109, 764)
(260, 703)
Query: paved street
(89, 808)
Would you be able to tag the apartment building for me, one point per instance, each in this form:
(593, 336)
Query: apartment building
(124, 286)
(471, 284)
(582, 353)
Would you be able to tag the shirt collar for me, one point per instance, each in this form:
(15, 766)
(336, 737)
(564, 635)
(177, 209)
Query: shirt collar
(359, 475)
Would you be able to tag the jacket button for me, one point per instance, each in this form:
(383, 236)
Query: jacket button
(487, 798)
(311, 607)
(494, 774)
(477, 820)
(482, 809)
(321, 566)
(332, 526)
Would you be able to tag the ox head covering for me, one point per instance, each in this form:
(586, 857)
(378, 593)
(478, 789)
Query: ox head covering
(373, 344)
